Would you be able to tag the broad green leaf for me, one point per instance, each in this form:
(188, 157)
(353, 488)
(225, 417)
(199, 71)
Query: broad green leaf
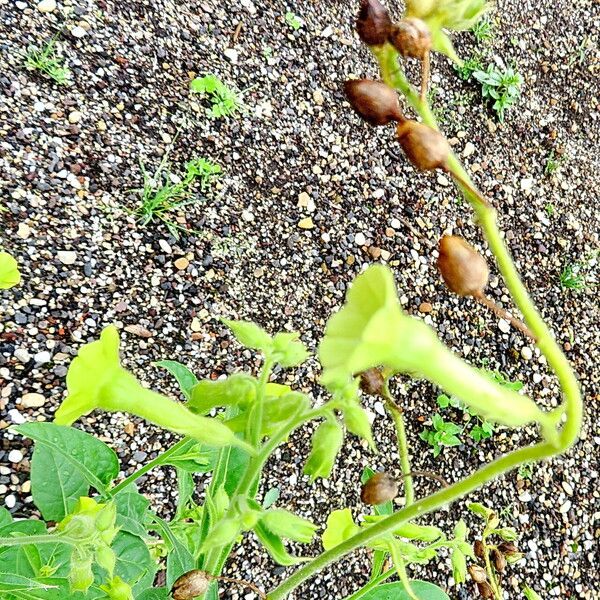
(65, 463)
(237, 389)
(396, 591)
(185, 378)
(271, 497)
(22, 560)
(275, 547)
(5, 517)
(9, 271)
(340, 527)
(179, 559)
(132, 511)
(134, 563)
(250, 335)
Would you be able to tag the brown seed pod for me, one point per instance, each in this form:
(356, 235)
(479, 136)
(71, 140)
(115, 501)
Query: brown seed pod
(373, 23)
(477, 573)
(191, 584)
(479, 549)
(463, 269)
(485, 590)
(426, 148)
(381, 488)
(372, 382)
(376, 102)
(508, 548)
(411, 37)
(498, 560)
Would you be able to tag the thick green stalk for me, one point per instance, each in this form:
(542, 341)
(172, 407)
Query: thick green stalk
(396, 413)
(257, 420)
(155, 462)
(27, 540)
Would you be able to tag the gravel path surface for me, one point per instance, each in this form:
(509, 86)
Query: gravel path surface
(309, 196)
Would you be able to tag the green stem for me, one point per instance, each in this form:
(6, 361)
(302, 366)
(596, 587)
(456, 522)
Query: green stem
(155, 462)
(26, 540)
(372, 584)
(401, 570)
(490, 572)
(396, 413)
(257, 420)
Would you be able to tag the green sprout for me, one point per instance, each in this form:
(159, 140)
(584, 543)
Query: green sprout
(469, 66)
(572, 278)
(163, 192)
(503, 87)
(444, 433)
(293, 21)
(47, 62)
(550, 209)
(225, 102)
(553, 163)
(526, 471)
(483, 30)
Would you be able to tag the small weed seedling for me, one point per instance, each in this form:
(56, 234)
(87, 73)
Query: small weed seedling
(550, 209)
(224, 101)
(47, 62)
(553, 163)
(571, 277)
(503, 87)
(483, 30)
(526, 471)
(444, 433)
(163, 192)
(293, 20)
(469, 66)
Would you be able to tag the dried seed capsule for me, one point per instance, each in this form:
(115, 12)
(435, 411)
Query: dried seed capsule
(508, 548)
(376, 102)
(372, 382)
(478, 549)
(191, 584)
(381, 488)
(477, 573)
(498, 560)
(411, 37)
(485, 590)
(463, 269)
(426, 148)
(373, 23)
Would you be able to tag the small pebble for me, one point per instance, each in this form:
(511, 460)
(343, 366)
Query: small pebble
(66, 257)
(360, 239)
(47, 6)
(15, 456)
(75, 116)
(504, 326)
(78, 31)
(526, 353)
(306, 223)
(32, 400)
(182, 263)
(22, 355)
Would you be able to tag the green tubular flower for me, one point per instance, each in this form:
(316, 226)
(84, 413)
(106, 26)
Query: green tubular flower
(370, 330)
(457, 15)
(96, 380)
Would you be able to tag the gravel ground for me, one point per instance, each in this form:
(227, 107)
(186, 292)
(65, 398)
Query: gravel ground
(69, 160)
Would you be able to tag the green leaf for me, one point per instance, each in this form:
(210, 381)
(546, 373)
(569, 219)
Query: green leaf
(440, 42)
(250, 335)
(5, 517)
(288, 525)
(134, 562)
(237, 389)
(154, 594)
(482, 511)
(326, 443)
(179, 561)
(9, 271)
(396, 591)
(530, 594)
(65, 463)
(357, 422)
(132, 512)
(288, 350)
(271, 497)
(274, 546)
(185, 378)
(193, 457)
(340, 527)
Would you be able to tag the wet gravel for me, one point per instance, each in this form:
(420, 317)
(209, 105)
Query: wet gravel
(309, 196)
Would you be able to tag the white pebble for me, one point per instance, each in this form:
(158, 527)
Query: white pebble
(23, 231)
(504, 326)
(231, 54)
(42, 357)
(39, 107)
(75, 116)
(10, 501)
(32, 400)
(567, 487)
(164, 246)
(15, 456)
(565, 507)
(21, 354)
(16, 417)
(360, 239)
(468, 149)
(247, 216)
(47, 6)
(66, 257)
(78, 31)
(526, 352)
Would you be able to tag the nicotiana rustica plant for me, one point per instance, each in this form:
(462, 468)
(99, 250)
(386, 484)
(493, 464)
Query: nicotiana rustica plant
(100, 538)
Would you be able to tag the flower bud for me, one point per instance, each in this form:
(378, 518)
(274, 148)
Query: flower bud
(478, 549)
(477, 574)
(372, 382)
(381, 488)
(498, 560)
(485, 590)
(420, 8)
(376, 102)
(463, 269)
(426, 148)
(373, 23)
(326, 443)
(459, 566)
(191, 584)
(411, 37)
